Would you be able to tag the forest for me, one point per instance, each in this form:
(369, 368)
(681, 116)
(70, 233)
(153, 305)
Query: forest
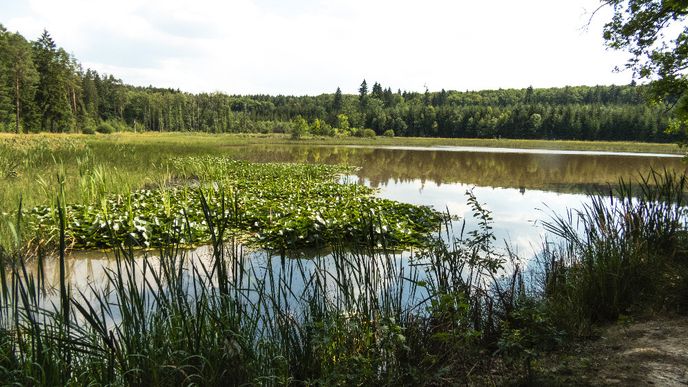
(45, 89)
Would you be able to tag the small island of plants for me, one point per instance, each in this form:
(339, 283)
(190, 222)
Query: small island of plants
(276, 206)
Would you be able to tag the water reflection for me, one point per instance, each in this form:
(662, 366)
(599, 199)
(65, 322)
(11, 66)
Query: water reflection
(571, 172)
(521, 189)
(254, 277)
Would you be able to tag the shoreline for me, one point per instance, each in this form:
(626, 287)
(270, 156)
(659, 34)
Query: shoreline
(229, 139)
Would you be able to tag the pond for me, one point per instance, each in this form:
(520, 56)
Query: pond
(521, 189)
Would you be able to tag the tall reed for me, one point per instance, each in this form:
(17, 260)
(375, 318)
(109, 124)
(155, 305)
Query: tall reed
(623, 251)
(361, 316)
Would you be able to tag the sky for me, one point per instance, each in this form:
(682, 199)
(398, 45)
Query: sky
(309, 47)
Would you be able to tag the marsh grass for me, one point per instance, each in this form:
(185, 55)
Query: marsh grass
(624, 252)
(134, 161)
(353, 317)
(458, 311)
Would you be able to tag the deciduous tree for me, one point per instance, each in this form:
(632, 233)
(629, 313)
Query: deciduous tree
(655, 34)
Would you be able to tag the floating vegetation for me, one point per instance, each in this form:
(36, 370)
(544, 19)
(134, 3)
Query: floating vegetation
(277, 206)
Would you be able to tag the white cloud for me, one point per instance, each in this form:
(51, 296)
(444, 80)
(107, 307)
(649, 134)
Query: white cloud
(311, 46)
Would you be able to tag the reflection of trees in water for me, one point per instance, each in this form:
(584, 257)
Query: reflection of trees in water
(565, 173)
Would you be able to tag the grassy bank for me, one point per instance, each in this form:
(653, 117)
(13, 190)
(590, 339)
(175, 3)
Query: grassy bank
(194, 140)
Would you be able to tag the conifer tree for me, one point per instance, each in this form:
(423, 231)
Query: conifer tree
(337, 102)
(363, 92)
(53, 94)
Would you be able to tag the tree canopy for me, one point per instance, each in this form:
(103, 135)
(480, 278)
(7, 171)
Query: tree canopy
(42, 88)
(655, 33)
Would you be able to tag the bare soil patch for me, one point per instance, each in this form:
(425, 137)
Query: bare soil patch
(650, 352)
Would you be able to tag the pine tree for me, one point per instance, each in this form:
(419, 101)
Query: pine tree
(377, 91)
(25, 78)
(363, 92)
(5, 90)
(53, 92)
(337, 102)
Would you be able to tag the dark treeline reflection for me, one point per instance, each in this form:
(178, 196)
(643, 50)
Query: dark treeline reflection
(554, 172)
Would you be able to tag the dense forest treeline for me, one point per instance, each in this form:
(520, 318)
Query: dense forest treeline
(43, 88)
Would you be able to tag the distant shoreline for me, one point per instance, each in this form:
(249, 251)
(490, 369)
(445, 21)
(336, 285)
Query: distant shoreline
(622, 148)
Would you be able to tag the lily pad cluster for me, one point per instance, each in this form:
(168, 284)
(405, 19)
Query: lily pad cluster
(276, 206)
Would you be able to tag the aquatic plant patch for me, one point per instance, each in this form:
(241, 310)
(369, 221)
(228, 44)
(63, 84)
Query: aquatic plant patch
(277, 206)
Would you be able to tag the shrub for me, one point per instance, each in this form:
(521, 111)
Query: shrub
(299, 128)
(88, 130)
(105, 128)
(342, 133)
(368, 133)
(388, 133)
(120, 126)
(281, 127)
(263, 127)
(321, 128)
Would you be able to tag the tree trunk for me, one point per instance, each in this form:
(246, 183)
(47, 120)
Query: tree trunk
(73, 101)
(17, 106)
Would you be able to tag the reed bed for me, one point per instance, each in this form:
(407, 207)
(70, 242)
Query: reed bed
(453, 309)
(359, 316)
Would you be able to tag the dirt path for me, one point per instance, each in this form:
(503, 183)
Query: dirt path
(653, 352)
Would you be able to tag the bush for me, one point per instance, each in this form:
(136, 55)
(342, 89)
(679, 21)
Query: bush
(120, 126)
(342, 133)
(299, 128)
(321, 128)
(388, 133)
(281, 127)
(368, 133)
(105, 128)
(88, 130)
(263, 127)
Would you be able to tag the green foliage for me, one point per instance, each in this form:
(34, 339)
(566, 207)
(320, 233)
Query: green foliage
(620, 252)
(56, 95)
(363, 92)
(105, 128)
(57, 87)
(388, 133)
(19, 77)
(299, 128)
(529, 333)
(368, 133)
(323, 321)
(321, 128)
(337, 102)
(355, 315)
(654, 33)
(281, 127)
(283, 207)
(343, 122)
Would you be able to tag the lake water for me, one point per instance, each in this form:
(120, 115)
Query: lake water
(522, 188)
